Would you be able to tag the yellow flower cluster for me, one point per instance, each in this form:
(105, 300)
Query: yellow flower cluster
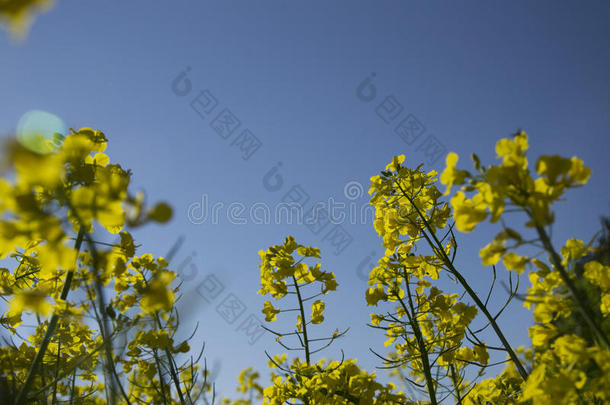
(247, 384)
(279, 269)
(403, 198)
(311, 383)
(510, 184)
(569, 293)
(49, 208)
(86, 295)
(569, 372)
(337, 383)
(427, 328)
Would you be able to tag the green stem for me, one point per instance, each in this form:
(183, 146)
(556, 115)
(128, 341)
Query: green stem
(303, 320)
(423, 350)
(170, 362)
(456, 384)
(103, 323)
(580, 302)
(439, 249)
(21, 396)
(161, 379)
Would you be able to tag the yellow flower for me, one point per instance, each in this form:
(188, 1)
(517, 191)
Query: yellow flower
(317, 309)
(290, 244)
(53, 257)
(574, 249)
(158, 295)
(373, 295)
(578, 172)
(34, 169)
(480, 354)
(30, 300)
(309, 251)
(451, 175)
(468, 213)
(553, 167)
(513, 150)
(303, 274)
(491, 254)
(513, 261)
(270, 312)
(376, 319)
(541, 334)
(396, 162)
(99, 159)
(570, 348)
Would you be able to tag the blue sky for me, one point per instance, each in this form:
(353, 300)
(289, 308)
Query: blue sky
(468, 73)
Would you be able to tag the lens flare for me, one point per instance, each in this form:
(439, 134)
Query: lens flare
(40, 131)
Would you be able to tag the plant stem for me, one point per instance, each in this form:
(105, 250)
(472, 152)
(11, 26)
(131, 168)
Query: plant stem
(21, 396)
(439, 249)
(104, 327)
(580, 302)
(303, 320)
(456, 384)
(170, 362)
(420, 343)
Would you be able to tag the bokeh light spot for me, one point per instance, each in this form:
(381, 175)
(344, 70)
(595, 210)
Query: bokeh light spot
(40, 131)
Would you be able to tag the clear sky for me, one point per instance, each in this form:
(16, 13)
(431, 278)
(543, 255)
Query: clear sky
(459, 75)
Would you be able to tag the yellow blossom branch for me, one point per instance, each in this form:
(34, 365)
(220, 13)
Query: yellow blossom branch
(21, 396)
